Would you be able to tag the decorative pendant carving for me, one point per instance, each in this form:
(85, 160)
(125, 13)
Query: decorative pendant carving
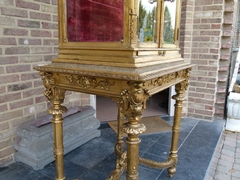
(89, 82)
(135, 100)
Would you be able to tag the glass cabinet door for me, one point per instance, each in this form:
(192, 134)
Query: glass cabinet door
(95, 20)
(169, 22)
(147, 21)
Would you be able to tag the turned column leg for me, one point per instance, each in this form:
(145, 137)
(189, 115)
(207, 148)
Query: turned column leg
(58, 150)
(120, 142)
(133, 142)
(56, 97)
(176, 127)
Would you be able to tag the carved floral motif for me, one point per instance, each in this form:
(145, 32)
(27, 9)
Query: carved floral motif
(89, 82)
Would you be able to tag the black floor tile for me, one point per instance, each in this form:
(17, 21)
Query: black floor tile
(96, 159)
(71, 170)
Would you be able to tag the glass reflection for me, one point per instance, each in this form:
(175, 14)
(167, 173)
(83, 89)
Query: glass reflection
(169, 22)
(147, 21)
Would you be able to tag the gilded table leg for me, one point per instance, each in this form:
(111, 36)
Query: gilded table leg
(134, 103)
(120, 143)
(58, 148)
(56, 97)
(176, 126)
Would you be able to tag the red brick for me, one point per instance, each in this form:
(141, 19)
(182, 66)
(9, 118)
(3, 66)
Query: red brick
(30, 59)
(41, 33)
(6, 142)
(10, 97)
(9, 79)
(214, 20)
(210, 33)
(213, 7)
(14, 12)
(3, 108)
(52, 42)
(49, 57)
(55, 34)
(54, 2)
(46, 25)
(215, 51)
(7, 2)
(204, 101)
(21, 103)
(201, 38)
(201, 26)
(17, 50)
(55, 18)
(18, 87)
(41, 16)
(8, 41)
(27, 41)
(204, 2)
(38, 83)
(18, 68)
(21, 120)
(41, 50)
(30, 76)
(43, 1)
(206, 79)
(8, 60)
(2, 89)
(15, 32)
(31, 92)
(27, 5)
(40, 99)
(4, 126)
(11, 115)
(216, 26)
(6, 152)
(29, 24)
(204, 90)
(199, 95)
(7, 21)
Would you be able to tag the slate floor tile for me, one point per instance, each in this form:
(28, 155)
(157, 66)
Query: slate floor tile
(71, 170)
(17, 171)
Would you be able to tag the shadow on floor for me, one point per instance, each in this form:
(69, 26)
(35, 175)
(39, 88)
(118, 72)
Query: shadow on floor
(96, 159)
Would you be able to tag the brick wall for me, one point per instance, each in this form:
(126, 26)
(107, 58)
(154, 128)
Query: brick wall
(28, 37)
(200, 38)
(206, 36)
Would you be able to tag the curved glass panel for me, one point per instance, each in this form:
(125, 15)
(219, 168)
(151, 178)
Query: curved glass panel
(169, 22)
(95, 20)
(147, 21)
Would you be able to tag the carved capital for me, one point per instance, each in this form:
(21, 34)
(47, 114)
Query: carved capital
(51, 91)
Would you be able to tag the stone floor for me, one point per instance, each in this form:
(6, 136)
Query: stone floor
(225, 164)
(96, 159)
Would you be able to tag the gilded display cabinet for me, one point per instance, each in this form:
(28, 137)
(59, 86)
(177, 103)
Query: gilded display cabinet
(126, 50)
